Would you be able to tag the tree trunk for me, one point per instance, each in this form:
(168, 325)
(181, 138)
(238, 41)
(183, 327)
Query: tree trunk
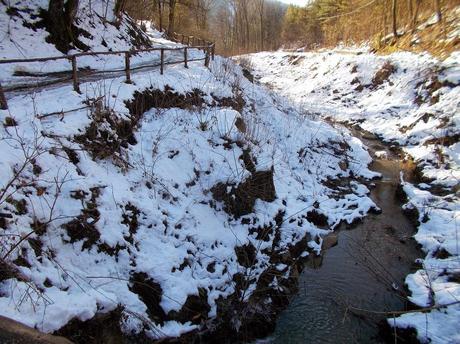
(394, 13)
(61, 16)
(160, 14)
(261, 16)
(119, 7)
(438, 10)
(411, 10)
(71, 8)
(384, 14)
(414, 21)
(172, 8)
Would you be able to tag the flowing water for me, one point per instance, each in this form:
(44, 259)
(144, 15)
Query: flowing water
(370, 261)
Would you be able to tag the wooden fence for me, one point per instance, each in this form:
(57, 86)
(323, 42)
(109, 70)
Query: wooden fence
(191, 42)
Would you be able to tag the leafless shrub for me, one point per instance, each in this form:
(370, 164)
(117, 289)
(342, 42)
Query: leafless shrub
(31, 150)
(245, 62)
(222, 69)
(108, 132)
(252, 132)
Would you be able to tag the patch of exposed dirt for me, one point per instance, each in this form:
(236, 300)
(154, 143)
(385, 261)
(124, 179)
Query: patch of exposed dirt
(383, 74)
(102, 328)
(236, 102)
(150, 294)
(83, 227)
(163, 99)
(195, 308)
(246, 255)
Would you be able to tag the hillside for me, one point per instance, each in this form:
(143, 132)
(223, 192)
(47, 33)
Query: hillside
(439, 38)
(387, 26)
(180, 204)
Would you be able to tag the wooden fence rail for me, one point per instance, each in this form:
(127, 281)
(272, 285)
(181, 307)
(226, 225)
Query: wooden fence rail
(207, 47)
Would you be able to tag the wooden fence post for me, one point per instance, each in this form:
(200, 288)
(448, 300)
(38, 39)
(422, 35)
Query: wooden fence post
(76, 87)
(162, 61)
(183, 39)
(185, 57)
(127, 68)
(213, 51)
(188, 40)
(3, 103)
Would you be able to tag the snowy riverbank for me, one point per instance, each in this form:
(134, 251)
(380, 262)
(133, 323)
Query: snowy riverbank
(411, 101)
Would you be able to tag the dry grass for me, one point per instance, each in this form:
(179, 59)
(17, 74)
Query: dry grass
(439, 39)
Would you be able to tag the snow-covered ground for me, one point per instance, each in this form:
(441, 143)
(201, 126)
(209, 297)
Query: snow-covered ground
(24, 37)
(163, 196)
(408, 100)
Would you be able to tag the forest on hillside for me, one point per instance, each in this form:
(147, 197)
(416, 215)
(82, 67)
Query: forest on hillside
(240, 26)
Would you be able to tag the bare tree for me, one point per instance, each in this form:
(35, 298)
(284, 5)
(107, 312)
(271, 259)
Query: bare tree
(172, 10)
(260, 8)
(438, 9)
(393, 14)
(417, 8)
(160, 14)
(61, 16)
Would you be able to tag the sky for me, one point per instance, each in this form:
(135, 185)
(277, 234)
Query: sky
(295, 2)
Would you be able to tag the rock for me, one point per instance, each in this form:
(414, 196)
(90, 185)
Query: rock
(13, 332)
(240, 125)
(381, 154)
(330, 240)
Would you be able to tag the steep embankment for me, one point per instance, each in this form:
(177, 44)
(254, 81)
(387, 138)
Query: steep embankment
(28, 35)
(439, 38)
(180, 203)
(412, 102)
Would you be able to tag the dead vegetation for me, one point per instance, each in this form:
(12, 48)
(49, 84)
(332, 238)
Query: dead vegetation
(83, 227)
(383, 74)
(239, 199)
(425, 35)
(107, 135)
(163, 99)
(195, 309)
(103, 328)
(427, 89)
(150, 293)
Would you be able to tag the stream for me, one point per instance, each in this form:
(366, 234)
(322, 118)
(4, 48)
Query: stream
(370, 261)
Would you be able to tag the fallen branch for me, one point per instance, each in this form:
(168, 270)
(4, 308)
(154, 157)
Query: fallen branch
(394, 313)
(62, 112)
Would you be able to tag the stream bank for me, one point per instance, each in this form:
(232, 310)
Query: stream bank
(365, 270)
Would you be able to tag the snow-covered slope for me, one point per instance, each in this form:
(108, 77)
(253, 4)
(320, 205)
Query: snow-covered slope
(184, 201)
(411, 101)
(25, 36)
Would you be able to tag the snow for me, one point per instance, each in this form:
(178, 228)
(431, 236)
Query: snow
(417, 108)
(22, 41)
(381, 154)
(180, 154)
